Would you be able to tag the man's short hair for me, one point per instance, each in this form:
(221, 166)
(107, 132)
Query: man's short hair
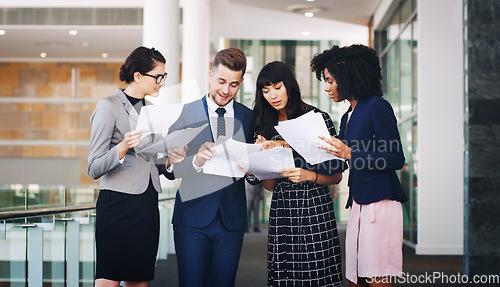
(231, 58)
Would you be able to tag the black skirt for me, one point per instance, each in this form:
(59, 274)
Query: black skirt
(127, 235)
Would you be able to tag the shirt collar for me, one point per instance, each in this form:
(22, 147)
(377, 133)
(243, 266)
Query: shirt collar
(212, 106)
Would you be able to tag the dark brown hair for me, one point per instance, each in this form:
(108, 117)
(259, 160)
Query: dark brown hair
(231, 58)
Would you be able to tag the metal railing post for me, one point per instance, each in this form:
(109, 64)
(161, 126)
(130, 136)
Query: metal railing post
(35, 256)
(73, 253)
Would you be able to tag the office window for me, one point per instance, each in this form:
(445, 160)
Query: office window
(297, 55)
(396, 44)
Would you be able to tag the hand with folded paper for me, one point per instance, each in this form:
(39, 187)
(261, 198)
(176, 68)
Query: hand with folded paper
(336, 147)
(176, 155)
(297, 174)
(205, 153)
(223, 158)
(268, 144)
(267, 164)
(174, 140)
(303, 133)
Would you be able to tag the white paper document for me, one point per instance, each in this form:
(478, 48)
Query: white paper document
(176, 139)
(157, 119)
(302, 134)
(268, 163)
(225, 160)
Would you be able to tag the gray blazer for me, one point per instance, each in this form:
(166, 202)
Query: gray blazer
(113, 117)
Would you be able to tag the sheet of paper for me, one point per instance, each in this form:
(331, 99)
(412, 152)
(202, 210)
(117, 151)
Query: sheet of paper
(225, 160)
(177, 139)
(302, 134)
(268, 163)
(157, 119)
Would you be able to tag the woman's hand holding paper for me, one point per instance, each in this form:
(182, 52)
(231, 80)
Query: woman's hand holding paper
(176, 155)
(268, 144)
(298, 174)
(242, 168)
(131, 140)
(336, 147)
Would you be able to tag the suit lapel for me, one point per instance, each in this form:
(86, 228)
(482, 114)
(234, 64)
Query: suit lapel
(133, 116)
(343, 124)
(202, 112)
(238, 132)
(357, 116)
(351, 121)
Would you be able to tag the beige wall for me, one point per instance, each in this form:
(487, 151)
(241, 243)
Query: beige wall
(39, 102)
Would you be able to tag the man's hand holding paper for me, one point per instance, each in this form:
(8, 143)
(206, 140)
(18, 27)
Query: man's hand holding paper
(224, 159)
(205, 153)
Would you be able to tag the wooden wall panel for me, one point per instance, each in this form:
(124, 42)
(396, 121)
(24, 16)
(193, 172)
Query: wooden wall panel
(62, 122)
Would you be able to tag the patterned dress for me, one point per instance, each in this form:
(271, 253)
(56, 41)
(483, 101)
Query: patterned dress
(303, 243)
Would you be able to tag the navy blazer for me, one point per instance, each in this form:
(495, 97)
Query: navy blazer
(219, 193)
(376, 152)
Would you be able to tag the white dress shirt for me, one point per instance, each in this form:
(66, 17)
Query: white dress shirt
(228, 117)
(212, 116)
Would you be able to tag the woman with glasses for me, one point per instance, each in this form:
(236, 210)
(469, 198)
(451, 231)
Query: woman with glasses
(127, 222)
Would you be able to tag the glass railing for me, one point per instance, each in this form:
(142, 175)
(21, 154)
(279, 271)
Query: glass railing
(47, 236)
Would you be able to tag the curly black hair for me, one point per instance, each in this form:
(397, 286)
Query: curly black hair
(355, 68)
(266, 116)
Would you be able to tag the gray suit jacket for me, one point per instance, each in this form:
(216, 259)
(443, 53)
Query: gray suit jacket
(113, 117)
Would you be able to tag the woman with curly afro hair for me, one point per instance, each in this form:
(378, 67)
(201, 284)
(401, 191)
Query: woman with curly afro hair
(369, 139)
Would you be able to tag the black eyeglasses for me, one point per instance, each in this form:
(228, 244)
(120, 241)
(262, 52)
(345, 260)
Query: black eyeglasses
(158, 78)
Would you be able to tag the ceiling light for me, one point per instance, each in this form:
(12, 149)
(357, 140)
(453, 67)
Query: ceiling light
(309, 14)
(104, 55)
(306, 33)
(303, 9)
(2, 32)
(73, 32)
(310, 0)
(43, 55)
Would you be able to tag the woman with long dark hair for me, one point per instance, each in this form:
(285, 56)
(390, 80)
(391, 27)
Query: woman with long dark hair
(303, 243)
(370, 141)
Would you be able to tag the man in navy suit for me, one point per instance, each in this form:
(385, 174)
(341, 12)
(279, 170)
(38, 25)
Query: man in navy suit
(210, 211)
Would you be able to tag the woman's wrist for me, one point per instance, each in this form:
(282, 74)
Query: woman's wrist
(316, 177)
(122, 149)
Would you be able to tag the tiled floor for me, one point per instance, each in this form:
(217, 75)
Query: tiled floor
(252, 270)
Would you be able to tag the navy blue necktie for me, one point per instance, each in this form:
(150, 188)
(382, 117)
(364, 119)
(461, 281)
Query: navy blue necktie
(221, 124)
